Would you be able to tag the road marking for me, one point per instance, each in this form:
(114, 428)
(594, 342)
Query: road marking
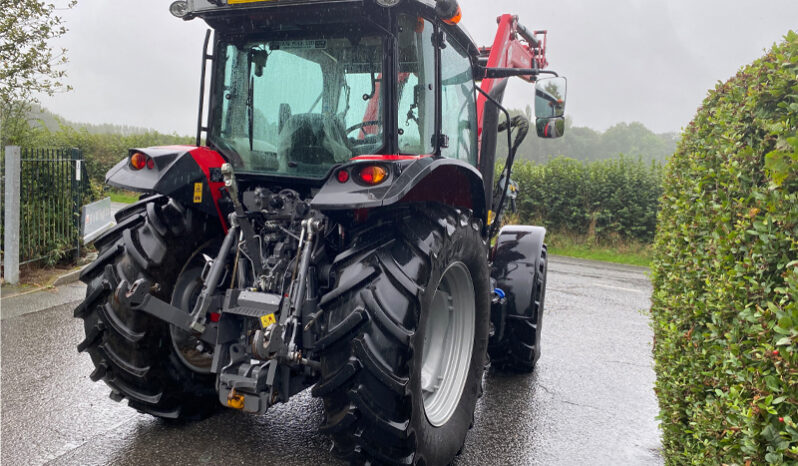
(72, 446)
(619, 288)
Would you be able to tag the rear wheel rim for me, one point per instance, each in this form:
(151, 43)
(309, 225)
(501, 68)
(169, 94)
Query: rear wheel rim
(192, 352)
(448, 344)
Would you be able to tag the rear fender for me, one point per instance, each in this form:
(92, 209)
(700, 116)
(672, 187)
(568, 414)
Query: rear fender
(416, 179)
(516, 261)
(190, 175)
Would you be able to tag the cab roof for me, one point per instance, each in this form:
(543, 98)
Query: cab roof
(218, 13)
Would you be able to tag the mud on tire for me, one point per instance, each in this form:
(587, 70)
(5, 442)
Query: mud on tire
(131, 350)
(376, 318)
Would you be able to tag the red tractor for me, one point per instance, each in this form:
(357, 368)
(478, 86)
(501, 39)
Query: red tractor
(339, 230)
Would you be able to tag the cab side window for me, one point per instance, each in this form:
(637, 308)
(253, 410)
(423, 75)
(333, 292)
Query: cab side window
(416, 86)
(458, 102)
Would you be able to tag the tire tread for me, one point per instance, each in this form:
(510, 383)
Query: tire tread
(131, 350)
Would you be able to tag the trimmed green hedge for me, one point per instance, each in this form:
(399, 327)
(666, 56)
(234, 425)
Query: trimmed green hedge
(607, 199)
(725, 273)
(101, 151)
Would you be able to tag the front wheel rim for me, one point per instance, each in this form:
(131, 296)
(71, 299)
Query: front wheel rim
(448, 344)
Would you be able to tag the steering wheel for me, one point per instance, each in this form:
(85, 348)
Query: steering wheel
(363, 124)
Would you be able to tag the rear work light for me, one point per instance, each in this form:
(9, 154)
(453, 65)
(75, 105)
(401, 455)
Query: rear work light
(139, 161)
(373, 174)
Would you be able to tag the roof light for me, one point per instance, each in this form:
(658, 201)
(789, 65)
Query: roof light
(179, 8)
(388, 3)
(373, 174)
(455, 18)
(139, 161)
(448, 11)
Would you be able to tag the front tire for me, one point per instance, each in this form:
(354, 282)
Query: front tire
(132, 351)
(385, 338)
(520, 267)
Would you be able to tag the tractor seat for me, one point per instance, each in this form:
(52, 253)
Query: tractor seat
(314, 139)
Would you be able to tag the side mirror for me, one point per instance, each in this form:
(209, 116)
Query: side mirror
(550, 107)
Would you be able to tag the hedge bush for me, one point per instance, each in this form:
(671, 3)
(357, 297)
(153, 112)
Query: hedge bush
(605, 200)
(101, 151)
(725, 273)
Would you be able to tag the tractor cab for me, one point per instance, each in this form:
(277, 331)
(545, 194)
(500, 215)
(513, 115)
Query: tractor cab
(300, 87)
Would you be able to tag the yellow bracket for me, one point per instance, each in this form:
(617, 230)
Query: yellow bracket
(235, 400)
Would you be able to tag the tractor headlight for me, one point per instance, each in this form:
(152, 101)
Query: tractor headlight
(179, 8)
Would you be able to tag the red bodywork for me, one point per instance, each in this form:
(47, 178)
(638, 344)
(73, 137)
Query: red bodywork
(509, 50)
(207, 159)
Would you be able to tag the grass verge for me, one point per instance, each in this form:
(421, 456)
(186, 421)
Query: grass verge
(619, 252)
(125, 197)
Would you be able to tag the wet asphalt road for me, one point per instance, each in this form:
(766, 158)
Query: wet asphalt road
(590, 400)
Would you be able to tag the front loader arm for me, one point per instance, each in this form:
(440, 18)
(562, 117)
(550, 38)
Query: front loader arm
(514, 47)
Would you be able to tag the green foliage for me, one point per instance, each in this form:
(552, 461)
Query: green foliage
(46, 230)
(580, 143)
(40, 117)
(29, 66)
(49, 205)
(725, 274)
(603, 200)
(624, 252)
(124, 197)
(101, 151)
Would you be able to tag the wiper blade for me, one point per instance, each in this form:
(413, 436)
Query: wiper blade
(250, 109)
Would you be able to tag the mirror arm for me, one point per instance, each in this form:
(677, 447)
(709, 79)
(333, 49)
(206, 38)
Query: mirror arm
(494, 73)
(508, 165)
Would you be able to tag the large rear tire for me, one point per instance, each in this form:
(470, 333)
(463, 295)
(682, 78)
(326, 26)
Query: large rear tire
(405, 338)
(132, 351)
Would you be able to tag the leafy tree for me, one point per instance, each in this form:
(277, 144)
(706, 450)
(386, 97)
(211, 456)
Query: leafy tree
(586, 144)
(30, 67)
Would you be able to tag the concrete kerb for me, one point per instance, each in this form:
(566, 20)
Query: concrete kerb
(68, 277)
(74, 275)
(65, 279)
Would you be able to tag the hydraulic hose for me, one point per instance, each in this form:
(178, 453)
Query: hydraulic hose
(521, 125)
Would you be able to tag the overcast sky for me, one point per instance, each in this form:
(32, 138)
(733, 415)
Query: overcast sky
(651, 61)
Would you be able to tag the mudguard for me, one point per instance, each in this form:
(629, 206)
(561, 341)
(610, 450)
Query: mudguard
(517, 261)
(190, 175)
(411, 179)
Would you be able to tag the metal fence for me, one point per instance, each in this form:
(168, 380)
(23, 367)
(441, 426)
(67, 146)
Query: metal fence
(52, 184)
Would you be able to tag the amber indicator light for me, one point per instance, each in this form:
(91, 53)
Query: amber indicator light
(456, 18)
(373, 174)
